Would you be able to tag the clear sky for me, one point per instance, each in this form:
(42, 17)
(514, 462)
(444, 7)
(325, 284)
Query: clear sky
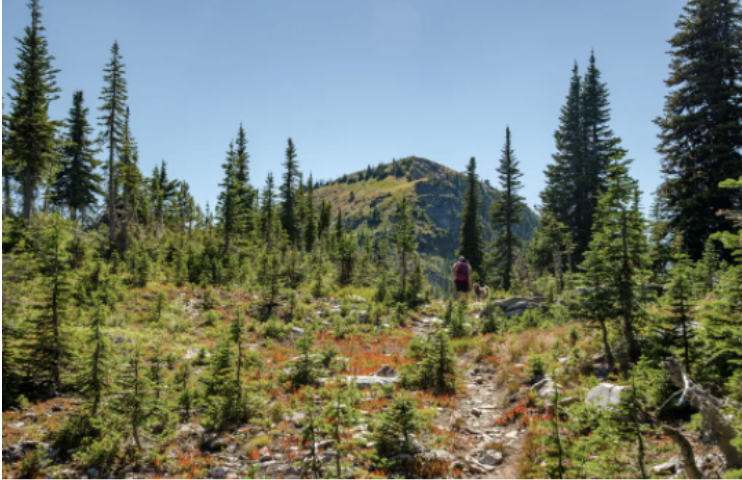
(357, 83)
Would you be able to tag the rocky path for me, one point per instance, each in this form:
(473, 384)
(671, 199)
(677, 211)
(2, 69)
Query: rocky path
(482, 449)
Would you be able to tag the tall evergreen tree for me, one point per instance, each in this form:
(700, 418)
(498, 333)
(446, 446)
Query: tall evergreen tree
(229, 198)
(599, 145)
(289, 213)
(77, 183)
(617, 259)
(30, 132)
(701, 128)
(405, 240)
(471, 226)
(131, 180)
(310, 231)
(245, 193)
(506, 213)
(50, 350)
(267, 210)
(558, 195)
(93, 380)
(114, 96)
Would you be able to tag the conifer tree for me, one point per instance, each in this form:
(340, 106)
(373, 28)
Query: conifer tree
(471, 226)
(680, 292)
(632, 407)
(50, 350)
(325, 218)
(397, 424)
(245, 193)
(134, 397)
(131, 180)
(405, 241)
(506, 213)
(558, 195)
(701, 126)
(93, 380)
(310, 232)
(229, 199)
(289, 210)
(163, 190)
(707, 268)
(30, 133)
(617, 259)
(599, 145)
(340, 417)
(114, 96)
(186, 396)
(77, 183)
(267, 210)
(438, 367)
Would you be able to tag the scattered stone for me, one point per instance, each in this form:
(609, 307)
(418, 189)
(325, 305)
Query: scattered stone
(604, 395)
(324, 444)
(366, 381)
(512, 435)
(297, 330)
(439, 455)
(546, 388)
(12, 454)
(193, 353)
(191, 429)
(218, 472)
(386, 371)
(476, 412)
(491, 457)
(29, 416)
(266, 458)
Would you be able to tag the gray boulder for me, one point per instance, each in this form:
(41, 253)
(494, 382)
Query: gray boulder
(605, 394)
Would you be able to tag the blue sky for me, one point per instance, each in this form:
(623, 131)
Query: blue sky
(358, 83)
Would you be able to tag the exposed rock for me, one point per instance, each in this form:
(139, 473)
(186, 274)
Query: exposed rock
(218, 472)
(512, 435)
(440, 455)
(297, 330)
(508, 302)
(193, 353)
(546, 388)
(604, 395)
(491, 457)
(12, 454)
(191, 429)
(366, 381)
(386, 371)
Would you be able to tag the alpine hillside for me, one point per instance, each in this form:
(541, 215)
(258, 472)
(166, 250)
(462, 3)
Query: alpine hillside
(368, 199)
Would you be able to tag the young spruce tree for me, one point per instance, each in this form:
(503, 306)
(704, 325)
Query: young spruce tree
(471, 226)
(506, 213)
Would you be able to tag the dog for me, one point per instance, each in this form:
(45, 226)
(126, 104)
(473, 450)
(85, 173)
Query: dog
(481, 292)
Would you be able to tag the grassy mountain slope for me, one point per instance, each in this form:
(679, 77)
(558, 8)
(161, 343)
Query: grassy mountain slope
(369, 198)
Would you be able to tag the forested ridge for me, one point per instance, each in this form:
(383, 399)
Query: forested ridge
(309, 327)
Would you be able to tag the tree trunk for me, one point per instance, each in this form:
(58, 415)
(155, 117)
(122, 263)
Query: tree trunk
(686, 452)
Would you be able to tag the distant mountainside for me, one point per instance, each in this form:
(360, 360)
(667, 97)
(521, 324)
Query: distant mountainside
(370, 197)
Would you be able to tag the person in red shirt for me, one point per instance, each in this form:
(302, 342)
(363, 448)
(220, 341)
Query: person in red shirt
(462, 276)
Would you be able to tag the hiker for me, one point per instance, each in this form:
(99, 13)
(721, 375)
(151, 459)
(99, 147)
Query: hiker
(462, 273)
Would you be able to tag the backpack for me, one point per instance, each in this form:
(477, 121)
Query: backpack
(462, 271)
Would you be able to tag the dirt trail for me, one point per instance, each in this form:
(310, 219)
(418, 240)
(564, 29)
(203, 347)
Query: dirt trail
(474, 417)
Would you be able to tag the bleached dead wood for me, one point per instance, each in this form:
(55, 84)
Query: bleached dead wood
(711, 409)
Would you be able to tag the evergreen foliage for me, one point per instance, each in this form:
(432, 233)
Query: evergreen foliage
(471, 227)
(114, 96)
(701, 126)
(77, 183)
(506, 213)
(30, 135)
(289, 187)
